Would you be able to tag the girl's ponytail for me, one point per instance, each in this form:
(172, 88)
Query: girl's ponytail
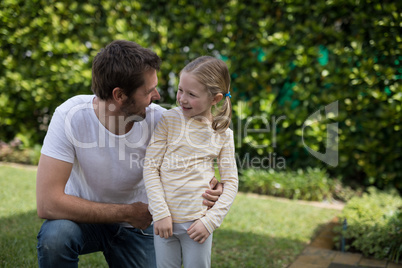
(223, 116)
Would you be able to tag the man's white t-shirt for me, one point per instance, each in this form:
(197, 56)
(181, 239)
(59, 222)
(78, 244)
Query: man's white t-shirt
(107, 168)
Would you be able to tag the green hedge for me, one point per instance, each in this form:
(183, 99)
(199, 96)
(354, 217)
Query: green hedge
(374, 225)
(288, 59)
(312, 184)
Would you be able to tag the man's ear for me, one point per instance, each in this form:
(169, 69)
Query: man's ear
(217, 98)
(118, 95)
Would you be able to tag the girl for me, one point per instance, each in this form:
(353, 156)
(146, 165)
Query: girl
(179, 165)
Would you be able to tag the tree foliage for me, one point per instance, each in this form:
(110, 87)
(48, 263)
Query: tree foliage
(288, 59)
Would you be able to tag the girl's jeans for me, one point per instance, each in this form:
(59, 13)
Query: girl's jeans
(181, 249)
(60, 242)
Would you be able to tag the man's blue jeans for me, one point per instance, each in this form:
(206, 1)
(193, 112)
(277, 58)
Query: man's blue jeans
(60, 242)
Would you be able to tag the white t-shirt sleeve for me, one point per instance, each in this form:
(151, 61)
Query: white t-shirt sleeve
(56, 144)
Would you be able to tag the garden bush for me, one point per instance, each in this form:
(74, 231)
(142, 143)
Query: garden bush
(374, 224)
(288, 60)
(312, 184)
(16, 152)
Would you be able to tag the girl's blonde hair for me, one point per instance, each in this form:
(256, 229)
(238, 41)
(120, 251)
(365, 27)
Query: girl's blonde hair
(214, 75)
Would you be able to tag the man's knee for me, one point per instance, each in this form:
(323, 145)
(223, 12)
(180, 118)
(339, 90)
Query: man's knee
(58, 235)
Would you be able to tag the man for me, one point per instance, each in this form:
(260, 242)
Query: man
(89, 180)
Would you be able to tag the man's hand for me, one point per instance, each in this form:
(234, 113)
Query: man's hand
(198, 232)
(164, 227)
(211, 196)
(140, 217)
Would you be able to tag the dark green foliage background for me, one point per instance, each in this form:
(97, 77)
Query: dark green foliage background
(287, 58)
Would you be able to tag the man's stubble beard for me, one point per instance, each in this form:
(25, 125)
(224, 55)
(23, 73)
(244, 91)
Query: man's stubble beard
(132, 116)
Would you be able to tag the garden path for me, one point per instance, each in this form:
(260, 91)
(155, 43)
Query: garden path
(320, 254)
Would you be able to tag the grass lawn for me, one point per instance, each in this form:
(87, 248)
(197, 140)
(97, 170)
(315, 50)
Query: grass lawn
(257, 232)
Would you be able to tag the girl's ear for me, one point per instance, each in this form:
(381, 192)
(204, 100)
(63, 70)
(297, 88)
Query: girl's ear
(217, 98)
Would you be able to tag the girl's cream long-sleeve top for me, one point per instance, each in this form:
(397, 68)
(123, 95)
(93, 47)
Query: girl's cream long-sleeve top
(179, 164)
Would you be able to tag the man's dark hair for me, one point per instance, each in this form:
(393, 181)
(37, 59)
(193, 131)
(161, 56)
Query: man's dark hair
(121, 64)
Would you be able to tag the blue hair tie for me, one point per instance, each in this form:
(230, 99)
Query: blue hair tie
(228, 95)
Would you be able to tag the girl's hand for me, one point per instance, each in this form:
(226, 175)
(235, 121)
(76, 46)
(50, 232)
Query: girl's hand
(198, 232)
(164, 227)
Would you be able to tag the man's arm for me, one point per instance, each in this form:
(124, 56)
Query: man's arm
(53, 203)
